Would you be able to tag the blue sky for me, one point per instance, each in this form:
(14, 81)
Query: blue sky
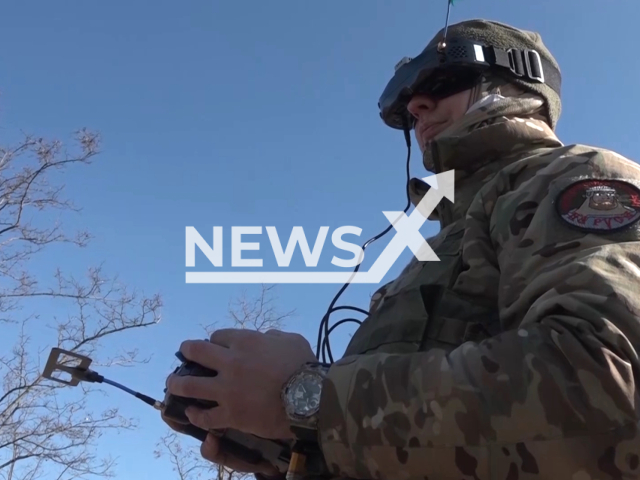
(256, 114)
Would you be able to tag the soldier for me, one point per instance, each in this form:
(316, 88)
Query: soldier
(513, 357)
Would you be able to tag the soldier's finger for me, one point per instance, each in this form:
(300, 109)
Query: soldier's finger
(225, 336)
(210, 450)
(178, 427)
(275, 332)
(207, 354)
(216, 418)
(203, 388)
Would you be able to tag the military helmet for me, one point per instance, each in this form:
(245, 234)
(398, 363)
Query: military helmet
(504, 36)
(471, 49)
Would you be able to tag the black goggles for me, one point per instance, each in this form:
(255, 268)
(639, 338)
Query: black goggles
(442, 72)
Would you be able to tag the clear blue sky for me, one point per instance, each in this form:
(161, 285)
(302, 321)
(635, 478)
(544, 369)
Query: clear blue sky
(257, 113)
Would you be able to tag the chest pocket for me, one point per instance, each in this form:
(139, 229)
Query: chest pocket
(455, 318)
(399, 321)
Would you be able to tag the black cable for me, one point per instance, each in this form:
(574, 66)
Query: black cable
(94, 377)
(323, 345)
(325, 342)
(361, 310)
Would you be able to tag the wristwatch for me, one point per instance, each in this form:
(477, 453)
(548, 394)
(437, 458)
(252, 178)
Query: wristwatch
(301, 398)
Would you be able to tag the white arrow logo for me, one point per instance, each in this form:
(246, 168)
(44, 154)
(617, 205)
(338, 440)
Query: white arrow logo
(407, 235)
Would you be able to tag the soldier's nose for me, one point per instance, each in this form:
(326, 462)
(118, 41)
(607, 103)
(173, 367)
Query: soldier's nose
(420, 104)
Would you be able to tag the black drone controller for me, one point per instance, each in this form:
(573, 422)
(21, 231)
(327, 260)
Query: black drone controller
(247, 447)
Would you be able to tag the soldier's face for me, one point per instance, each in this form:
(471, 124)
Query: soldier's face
(433, 115)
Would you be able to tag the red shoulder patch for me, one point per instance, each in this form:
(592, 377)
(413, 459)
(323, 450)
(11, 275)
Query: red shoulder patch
(599, 205)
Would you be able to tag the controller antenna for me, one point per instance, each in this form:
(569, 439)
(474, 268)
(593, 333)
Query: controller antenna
(82, 373)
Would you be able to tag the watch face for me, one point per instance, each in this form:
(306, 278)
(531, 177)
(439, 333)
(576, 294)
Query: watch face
(304, 395)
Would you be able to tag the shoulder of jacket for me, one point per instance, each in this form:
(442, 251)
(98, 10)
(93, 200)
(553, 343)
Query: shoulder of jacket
(602, 161)
(567, 161)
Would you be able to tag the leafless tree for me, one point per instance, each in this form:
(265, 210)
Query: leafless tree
(259, 313)
(186, 460)
(47, 428)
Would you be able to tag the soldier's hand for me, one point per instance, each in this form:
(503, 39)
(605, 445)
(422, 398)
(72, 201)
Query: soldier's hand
(252, 369)
(175, 426)
(210, 450)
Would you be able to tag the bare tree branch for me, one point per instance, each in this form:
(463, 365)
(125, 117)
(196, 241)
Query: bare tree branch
(46, 427)
(186, 463)
(257, 313)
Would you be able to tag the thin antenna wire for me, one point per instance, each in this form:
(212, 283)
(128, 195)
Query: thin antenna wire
(446, 22)
(443, 42)
(146, 399)
(120, 386)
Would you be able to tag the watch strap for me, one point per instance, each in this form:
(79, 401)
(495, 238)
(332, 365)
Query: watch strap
(305, 435)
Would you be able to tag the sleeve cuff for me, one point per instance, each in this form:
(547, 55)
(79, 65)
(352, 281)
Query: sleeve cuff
(334, 423)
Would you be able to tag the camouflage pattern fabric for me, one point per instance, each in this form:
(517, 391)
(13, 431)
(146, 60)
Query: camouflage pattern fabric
(515, 356)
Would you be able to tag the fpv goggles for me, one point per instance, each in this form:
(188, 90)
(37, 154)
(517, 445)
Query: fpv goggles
(441, 72)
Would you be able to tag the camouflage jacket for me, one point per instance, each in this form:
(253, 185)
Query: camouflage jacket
(515, 356)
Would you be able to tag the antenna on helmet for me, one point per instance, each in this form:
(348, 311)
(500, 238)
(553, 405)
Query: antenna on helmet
(443, 43)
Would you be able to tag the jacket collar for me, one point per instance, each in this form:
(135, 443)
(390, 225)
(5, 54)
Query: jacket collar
(476, 156)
